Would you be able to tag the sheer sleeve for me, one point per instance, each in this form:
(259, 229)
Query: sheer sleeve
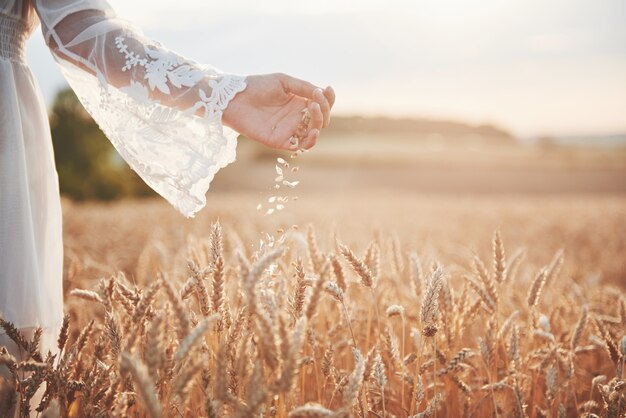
(161, 111)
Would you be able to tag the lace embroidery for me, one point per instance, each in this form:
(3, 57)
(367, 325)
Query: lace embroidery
(163, 66)
(173, 150)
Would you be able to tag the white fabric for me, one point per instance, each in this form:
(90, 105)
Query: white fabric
(161, 111)
(146, 99)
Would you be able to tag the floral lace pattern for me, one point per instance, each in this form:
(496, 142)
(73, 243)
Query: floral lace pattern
(162, 67)
(175, 151)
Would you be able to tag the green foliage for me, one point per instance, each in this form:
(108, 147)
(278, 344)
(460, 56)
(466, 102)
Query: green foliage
(87, 163)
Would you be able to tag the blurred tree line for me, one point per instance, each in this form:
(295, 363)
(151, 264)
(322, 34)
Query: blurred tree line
(89, 167)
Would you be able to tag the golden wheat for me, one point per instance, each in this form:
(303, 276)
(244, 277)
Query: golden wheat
(241, 334)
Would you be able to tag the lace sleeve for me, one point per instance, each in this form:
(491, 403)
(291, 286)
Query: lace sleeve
(161, 111)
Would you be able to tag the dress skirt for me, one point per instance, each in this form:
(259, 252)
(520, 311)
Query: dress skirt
(31, 249)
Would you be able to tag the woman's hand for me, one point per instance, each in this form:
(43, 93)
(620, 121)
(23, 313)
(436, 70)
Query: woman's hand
(270, 111)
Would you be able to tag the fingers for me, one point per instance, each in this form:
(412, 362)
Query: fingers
(307, 135)
(329, 92)
(317, 120)
(317, 117)
(310, 140)
(320, 98)
(325, 98)
(320, 103)
(298, 87)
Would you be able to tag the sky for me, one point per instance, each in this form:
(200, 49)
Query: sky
(535, 67)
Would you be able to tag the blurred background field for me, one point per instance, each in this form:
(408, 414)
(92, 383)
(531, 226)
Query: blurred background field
(440, 157)
(102, 238)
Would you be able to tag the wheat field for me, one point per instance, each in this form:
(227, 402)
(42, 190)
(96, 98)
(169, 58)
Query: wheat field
(389, 307)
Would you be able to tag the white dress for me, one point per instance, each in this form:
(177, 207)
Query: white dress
(162, 113)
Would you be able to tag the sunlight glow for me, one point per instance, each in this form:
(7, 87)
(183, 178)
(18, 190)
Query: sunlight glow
(536, 67)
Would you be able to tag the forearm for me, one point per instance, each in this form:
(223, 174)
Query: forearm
(145, 98)
(125, 59)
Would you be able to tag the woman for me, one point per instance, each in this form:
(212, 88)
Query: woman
(174, 121)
